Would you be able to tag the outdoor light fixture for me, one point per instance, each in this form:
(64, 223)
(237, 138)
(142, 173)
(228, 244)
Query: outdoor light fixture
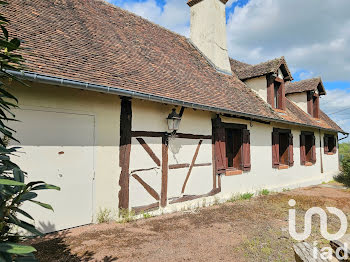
(174, 120)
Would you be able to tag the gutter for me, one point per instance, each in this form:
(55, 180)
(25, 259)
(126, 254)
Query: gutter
(50, 80)
(345, 137)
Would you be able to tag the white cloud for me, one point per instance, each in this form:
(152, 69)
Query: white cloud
(312, 35)
(175, 14)
(337, 104)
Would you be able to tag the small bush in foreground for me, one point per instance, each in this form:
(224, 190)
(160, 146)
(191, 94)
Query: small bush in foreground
(344, 176)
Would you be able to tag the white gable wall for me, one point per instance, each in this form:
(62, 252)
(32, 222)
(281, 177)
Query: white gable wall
(259, 86)
(300, 99)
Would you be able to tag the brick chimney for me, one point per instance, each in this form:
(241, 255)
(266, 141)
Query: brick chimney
(208, 31)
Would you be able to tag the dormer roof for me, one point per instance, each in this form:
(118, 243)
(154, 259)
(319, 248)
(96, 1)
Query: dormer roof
(312, 84)
(245, 71)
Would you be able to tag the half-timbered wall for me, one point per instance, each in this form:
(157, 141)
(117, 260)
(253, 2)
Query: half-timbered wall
(159, 170)
(189, 170)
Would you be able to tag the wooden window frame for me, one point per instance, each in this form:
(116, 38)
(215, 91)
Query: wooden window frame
(276, 161)
(219, 128)
(281, 96)
(326, 141)
(313, 104)
(303, 156)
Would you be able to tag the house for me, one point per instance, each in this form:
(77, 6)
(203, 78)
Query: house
(108, 90)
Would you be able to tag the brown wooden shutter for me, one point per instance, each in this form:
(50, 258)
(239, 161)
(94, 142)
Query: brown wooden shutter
(246, 150)
(309, 103)
(335, 145)
(290, 150)
(220, 150)
(316, 107)
(325, 144)
(302, 150)
(281, 97)
(313, 158)
(270, 90)
(275, 149)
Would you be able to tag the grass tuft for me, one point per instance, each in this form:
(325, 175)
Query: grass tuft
(246, 196)
(104, 215)
(146, 215)
(126, 215)
(264, 192)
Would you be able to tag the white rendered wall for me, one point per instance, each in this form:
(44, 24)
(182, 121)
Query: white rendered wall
(330, 162)
(259, 86)
(105, 109)
(300, 99)
(262, 175)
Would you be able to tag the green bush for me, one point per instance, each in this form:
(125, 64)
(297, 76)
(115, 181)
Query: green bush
(14, 191)
(344, 176)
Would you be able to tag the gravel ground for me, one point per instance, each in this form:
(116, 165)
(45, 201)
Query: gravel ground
(240, 230)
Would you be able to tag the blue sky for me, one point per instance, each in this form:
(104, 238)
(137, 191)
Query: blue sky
(313, 35)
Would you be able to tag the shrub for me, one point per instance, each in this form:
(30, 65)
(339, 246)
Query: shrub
(14, 191)
(344, 176)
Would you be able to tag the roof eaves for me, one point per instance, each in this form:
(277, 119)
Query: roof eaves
(30, 76)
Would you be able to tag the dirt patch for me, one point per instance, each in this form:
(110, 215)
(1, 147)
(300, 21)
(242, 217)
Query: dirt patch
(250, 230)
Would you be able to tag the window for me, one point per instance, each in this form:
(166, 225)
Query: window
(330, 144)
(282, 148)
(232, 148)
(313, 104)
(307, 148)
(276, 92)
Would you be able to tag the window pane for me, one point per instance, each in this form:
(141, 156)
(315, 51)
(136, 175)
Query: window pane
(234, 148)
(283, 148)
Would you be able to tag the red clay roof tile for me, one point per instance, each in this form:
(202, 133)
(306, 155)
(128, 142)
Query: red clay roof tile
(96, 42)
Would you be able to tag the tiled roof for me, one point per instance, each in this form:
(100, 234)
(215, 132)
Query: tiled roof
(305, 85)
(250, 71)
(238, 65)
(95, 42)
(295, 114)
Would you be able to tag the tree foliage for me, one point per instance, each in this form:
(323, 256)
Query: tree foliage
(14, 191)
(344, 176)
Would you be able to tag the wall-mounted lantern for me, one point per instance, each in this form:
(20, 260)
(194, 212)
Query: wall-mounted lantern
(174, 120)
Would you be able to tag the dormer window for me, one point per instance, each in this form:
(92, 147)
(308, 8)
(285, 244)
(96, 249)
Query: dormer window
(276, 92)
(313, 104)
